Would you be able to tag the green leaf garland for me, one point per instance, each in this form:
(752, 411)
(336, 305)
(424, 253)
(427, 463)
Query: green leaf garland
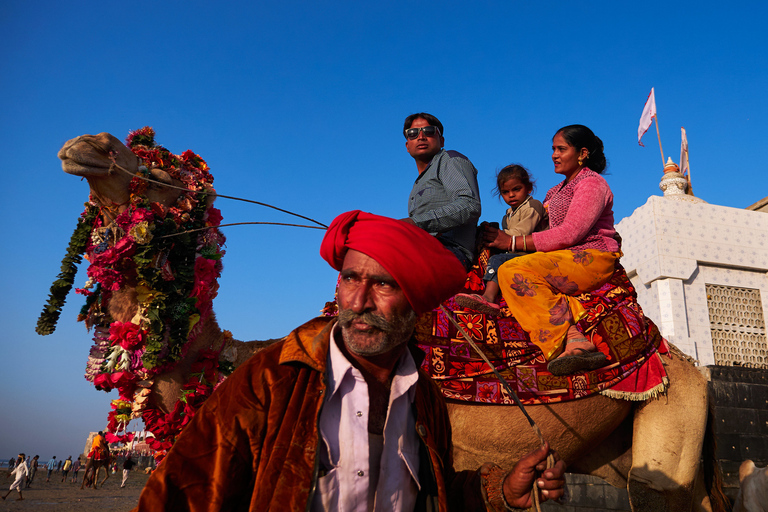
(46, 324)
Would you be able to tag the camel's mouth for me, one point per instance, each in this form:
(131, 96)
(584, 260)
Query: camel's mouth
(83, 168)
(80, 158)
(91, 155)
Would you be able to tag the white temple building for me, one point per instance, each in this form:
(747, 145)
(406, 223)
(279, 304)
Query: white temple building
(701, 273)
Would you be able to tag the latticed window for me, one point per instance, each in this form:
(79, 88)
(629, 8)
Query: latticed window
(738, 327)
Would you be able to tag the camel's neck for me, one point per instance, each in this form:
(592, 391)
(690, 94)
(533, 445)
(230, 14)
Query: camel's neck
(110, 194)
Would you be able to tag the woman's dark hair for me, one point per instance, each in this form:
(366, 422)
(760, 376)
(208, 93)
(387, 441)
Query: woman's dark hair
(579, 136)
(513, 171)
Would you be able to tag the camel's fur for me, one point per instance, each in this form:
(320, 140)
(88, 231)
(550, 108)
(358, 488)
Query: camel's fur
(651, 448)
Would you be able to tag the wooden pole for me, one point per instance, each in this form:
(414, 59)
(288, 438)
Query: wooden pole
(663, 162)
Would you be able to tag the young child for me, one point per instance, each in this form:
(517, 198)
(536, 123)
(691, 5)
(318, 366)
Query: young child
(524, 216)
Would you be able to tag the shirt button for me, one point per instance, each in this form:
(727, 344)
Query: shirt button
(422, 431)
(359, 413)
(361, 473)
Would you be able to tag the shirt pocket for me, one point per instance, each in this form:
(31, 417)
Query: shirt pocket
(429, 194)
(327, 492)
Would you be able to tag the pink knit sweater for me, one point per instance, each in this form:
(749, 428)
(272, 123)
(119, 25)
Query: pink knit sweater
(580, 215)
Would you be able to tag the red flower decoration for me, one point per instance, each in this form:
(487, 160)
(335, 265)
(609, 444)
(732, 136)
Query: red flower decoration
(206, 286)
(112, 438)
(472, 323)
(213, 216)
(128, 335)
(486, 392)
(121, 380)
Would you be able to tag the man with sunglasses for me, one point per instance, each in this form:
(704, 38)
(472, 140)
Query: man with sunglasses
(445, 199)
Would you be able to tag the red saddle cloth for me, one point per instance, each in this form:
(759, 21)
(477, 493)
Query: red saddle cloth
(614, 323)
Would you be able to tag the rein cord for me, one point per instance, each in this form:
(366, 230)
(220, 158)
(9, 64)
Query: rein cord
(160, 183)
(510, 391)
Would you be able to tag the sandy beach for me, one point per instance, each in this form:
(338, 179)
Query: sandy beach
(65, 496)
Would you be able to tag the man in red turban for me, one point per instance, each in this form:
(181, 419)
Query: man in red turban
(426, 271)
(337, 415)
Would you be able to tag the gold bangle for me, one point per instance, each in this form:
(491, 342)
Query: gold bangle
(525, 246)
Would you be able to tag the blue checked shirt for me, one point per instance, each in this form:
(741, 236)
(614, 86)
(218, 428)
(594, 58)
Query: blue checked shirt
(445, 201)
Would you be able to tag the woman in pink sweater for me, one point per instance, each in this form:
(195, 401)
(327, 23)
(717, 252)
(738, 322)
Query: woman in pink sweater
(576, 254)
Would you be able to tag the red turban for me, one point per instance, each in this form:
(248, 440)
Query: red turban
(427, 272)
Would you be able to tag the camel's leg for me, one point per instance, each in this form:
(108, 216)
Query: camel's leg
(106, 474)
(667, 443)
(88, 467)
(611, 459)
(99, 466)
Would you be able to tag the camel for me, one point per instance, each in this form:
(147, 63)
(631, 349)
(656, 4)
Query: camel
(652, 448)
(110, 168)
(91, 473)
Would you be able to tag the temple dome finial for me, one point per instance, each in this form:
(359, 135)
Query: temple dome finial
(674, 184)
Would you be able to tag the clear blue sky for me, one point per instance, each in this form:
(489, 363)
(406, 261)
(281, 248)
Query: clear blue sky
(300, 104)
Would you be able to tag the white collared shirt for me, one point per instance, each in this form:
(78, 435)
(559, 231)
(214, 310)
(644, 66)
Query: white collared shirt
(351, 483)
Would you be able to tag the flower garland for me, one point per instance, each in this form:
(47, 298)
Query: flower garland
(60, 288)
(175, 278)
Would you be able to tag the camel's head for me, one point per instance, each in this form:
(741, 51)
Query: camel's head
(91, 156)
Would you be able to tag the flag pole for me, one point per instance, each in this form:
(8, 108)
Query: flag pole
(656, 118)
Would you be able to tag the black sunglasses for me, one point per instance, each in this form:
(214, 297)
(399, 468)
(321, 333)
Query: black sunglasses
(429, 131)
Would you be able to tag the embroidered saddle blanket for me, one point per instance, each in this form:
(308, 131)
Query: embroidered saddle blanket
(614, 323)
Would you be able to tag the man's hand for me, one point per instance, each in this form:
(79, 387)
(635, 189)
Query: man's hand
(408, 220)
(494, 237)
(519, 482)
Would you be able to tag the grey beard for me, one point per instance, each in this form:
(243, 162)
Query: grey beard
(396, 332)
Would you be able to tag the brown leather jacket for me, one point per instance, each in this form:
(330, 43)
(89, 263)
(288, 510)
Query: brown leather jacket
(253, 444)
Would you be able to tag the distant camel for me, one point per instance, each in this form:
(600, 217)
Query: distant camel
(91, 473)
(652, 448)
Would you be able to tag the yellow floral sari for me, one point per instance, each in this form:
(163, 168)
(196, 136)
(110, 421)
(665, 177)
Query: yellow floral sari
(540, 290)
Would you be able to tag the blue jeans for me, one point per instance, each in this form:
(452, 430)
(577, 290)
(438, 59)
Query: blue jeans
(460, 255)
(494, 262)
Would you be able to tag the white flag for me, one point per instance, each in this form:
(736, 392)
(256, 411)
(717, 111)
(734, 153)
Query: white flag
(684, 153)
(649, 112)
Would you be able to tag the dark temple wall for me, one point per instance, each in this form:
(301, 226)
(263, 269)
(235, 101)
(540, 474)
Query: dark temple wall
(741, 419)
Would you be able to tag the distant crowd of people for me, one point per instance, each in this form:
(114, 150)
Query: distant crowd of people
(24, 468)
